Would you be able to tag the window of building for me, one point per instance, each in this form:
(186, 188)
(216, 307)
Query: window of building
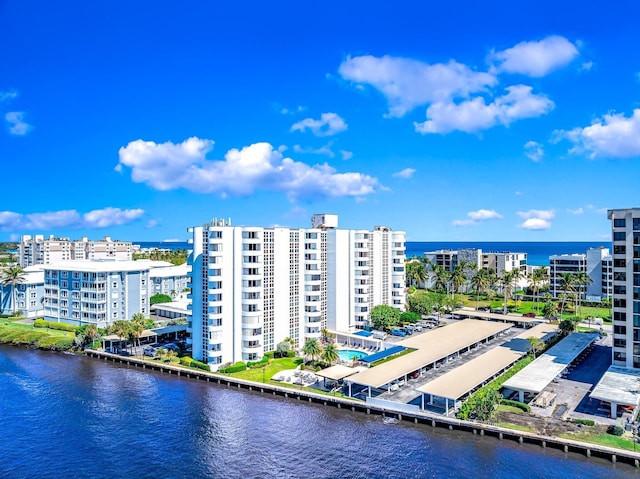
(619, 236)
(619, 249)
(619, 222)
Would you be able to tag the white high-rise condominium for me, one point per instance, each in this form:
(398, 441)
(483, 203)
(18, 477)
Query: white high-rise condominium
(625, 225)
(252, 287)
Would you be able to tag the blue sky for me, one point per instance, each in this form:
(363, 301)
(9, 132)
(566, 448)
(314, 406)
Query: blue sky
(451, 122)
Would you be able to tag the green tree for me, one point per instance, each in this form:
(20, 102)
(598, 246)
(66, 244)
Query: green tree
(409, 317)
(136, 327)
(13, 276)
(535, 345)
(91, 333)
(384, 317)
(486, 405)
(549, 309)
(567, 326)
(440, 278)
(159, 298)
(421, 302)
(480, 282)
(120, 328)
(330, 353)
(312, 349)
(582, 281)
(567, 285)
(537, 278)
(458, 277)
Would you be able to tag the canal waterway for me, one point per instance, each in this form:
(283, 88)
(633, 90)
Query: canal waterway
(72, 416)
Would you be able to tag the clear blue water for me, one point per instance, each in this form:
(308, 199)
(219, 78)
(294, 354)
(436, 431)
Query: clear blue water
(348, 354)
(538, 252)
(65, 416)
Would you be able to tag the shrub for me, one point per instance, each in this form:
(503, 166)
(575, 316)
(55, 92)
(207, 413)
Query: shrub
(234, 368)
(186, 361)
(615, 430)
(291, 354)
(584, 422)
(200, 365)
(41, 323)
(518, 404)
(258, 364)
(269, 354)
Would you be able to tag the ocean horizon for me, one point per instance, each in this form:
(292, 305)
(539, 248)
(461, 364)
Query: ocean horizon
(538, 252)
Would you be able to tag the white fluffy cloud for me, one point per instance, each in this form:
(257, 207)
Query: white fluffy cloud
(8, 95)
(102, 218)
(408, 83)
(346, 155)
(17, 125)
(475, 115)
(536, 219)
(168, 166)
(577, 211)
(323, 150)
(329, 124)
(406, 173)
(535, 59)
(612, 136)
(533, 150)
(475, 217)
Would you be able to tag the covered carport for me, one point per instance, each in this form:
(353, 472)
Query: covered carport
(619, 387)
(431, 348)
(518, 320)
(336, 373)
(539, 374)
(451, 387)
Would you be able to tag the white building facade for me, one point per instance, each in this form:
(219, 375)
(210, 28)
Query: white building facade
(95, 292)
(34, 250)
(252, 286)
(596, 263)
(625, 225)
(170, 280)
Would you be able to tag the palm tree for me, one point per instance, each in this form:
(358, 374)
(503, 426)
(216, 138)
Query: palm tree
(567, 284)
(480, 282)
(537, 277)
(458, 277)
(582, 280)
(441, 278)
(135, 331)
(91, 333)
(535, 345)
(13, 276)
(312, 348)
(330, 353)
(120, 328)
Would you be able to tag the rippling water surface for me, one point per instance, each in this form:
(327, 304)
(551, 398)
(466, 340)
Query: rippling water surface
(75, 417)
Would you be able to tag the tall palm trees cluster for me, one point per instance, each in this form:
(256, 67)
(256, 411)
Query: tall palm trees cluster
(466, 277)
(315, 350)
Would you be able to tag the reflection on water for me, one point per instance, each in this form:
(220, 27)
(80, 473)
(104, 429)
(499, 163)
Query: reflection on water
(71, 416)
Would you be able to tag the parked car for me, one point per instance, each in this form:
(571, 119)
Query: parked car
(379, 335)
(408, 330)
(149, 351)
(529, 315)
(498, 311)
(398, 332)
(483, 308)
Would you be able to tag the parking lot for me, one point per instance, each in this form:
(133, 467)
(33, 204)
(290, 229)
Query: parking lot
(572, 391)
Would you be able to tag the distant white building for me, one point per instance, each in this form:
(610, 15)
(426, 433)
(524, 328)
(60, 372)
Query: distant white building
(34, 250)
(29, 294)
(596, 263)
(95, 292)
(169, 280)
(253, 286)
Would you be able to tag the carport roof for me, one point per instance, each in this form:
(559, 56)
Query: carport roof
(498, 317)
(463, 379)
(618, 385)
(430, 347)
(537, 375)
(336, 372)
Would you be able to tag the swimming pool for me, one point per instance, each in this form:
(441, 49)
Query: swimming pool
(348, 354)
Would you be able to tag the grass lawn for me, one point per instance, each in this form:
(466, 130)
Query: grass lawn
(603, 440)
(274, 367)
(506, 408)
(516, 427)
(12, 325)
